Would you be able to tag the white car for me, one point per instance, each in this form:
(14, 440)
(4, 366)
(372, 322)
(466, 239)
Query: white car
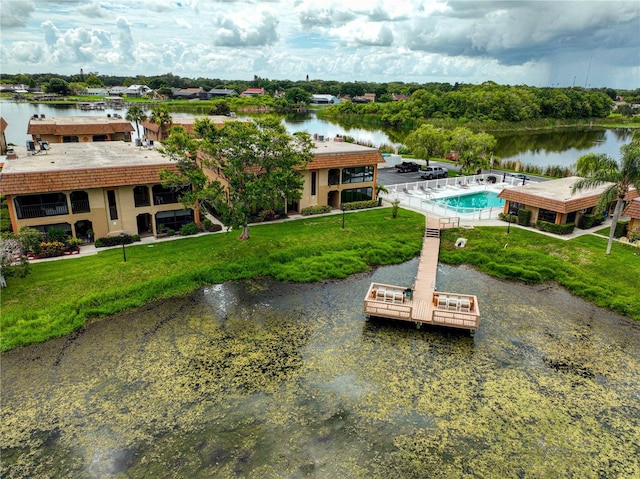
(431, 172)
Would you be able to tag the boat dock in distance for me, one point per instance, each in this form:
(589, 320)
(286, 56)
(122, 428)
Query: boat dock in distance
(422, 304)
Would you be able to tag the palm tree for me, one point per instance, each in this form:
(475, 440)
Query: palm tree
(160, 115)
(620, 178)
(136, 114)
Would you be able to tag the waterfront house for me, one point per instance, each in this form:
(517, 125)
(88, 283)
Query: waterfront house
(553, 201)
(136, 91)
(220, 92)
(324, 100)
(99, 189)
(189, 94)
(78, 129)
(253, 92)
(340, 172)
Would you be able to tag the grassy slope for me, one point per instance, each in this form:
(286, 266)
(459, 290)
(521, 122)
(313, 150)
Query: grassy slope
(580, 264)
(59, 296)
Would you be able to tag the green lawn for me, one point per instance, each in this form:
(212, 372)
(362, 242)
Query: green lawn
(580, 265)
(58, 297)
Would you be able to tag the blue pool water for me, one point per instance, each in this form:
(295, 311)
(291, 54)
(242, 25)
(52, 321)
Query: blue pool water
(472, 201)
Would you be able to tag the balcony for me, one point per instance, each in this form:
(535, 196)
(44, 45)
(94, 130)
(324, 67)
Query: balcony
(41, 210)
(80, 206)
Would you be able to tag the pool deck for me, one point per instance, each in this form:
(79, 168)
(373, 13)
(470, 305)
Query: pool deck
(422, 304)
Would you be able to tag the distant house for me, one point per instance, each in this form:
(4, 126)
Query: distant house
(399, 96)
(102, 92)
(137, 91)
(190, 94)
(78, 129)
(220, 92)
(253, 92)
(116, 90)
(324, 99)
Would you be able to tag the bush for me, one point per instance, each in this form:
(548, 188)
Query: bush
(524, 217)
(315, 210)
(267, 215)
(115, 240)
(49, 249)
(189, 229)
(621, 229)
(171, 232)
(360, 205)
(588, 221)
(563, 229)
(508, 218)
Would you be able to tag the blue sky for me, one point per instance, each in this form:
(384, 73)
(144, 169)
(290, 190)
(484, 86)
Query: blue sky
(539, 43)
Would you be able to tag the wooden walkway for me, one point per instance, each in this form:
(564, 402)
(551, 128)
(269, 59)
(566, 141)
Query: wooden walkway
(421, 303)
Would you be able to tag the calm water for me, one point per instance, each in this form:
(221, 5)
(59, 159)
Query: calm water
(261, 379)
(562, 147)
(484, 199)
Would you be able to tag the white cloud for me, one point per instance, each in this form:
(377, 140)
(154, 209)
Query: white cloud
(530, 42)
(15, 13)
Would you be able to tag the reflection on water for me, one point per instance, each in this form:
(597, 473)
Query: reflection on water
(262, 379)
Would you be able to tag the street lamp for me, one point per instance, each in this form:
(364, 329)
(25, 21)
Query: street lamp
(343, 210)
(124, 253)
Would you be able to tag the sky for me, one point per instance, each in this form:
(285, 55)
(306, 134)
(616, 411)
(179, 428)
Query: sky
(564, 43)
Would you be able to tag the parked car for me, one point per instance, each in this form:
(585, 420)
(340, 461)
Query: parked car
(521, 176)
(431, 172)
(407, 166)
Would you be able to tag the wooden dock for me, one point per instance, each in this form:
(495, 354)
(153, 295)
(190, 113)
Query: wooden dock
(421, 303)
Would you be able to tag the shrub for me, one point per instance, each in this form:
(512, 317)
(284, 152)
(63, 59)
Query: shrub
(360, 205)
(563, 229)
(189, 229)
(315, 210)
(267, 215)
(49, 249)
(207, 224)
(587, 221)
(56, 235)
(115, 240)
(524, 217)
(621, 229)
(508, 218)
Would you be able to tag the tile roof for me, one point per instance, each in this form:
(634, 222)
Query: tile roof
(556, 195)
(73, 166)
(633, 209)
(78, 125)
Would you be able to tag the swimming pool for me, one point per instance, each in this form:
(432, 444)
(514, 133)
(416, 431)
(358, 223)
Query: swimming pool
(471, 201)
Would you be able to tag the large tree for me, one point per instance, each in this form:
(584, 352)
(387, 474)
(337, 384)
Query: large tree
(426, 141)
(473, 148)
(601, 169)
(258, 162)
(136, 114)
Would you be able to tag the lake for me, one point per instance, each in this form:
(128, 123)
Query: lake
(561, 147)
(263, 379)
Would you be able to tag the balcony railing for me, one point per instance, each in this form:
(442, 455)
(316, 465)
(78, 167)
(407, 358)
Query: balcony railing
(141, 200)
(80, 206)
(165, 198)
(42, 210)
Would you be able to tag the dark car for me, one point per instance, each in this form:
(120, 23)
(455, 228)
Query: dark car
(521, 176)
(431, 172)
(407, 166)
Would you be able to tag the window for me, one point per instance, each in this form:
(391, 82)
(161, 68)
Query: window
(70, 139)
(162, 195)
(141, 196)
(314, 179)
(356, 194)
(79, 202)
(37, 206)
(547, 215)
(173, 219)
(100, 138)
(514, 207)
(359, 174)
(113, 209)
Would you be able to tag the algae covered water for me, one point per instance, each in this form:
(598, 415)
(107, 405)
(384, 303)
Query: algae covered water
(261, 379)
